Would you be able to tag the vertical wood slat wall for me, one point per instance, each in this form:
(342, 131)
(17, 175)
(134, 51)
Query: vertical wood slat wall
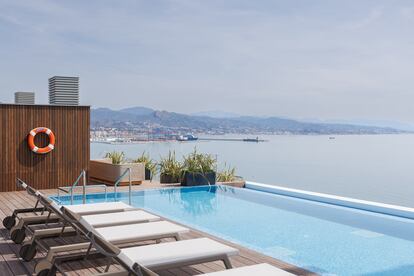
(60, 167)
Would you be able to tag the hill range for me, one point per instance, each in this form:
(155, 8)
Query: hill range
(143, 117)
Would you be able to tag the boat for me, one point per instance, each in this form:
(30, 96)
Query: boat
(251, 139)
(188, 137)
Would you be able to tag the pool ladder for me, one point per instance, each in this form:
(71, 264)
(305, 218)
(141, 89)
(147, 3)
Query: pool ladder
(70, 189)
(118, 181)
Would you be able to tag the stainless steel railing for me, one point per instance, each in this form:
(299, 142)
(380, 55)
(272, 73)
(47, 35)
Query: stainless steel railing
(70, 189)
(118, 181)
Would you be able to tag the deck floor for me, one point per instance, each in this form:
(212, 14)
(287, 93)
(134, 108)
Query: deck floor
(10, 264)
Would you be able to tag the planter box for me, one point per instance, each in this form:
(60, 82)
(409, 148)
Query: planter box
(237, 183)
(198, 179)
(104, 171)
(147, 174)
(166, 178)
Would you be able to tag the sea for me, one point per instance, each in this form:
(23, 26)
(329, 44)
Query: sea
(370, 167)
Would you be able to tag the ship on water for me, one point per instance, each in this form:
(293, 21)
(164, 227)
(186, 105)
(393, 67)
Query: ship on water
(188, 137)
(252, 139)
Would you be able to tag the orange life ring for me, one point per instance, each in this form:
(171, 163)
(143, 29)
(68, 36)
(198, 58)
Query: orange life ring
(32, 135)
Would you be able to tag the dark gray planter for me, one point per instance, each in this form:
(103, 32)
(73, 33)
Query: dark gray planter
(147, 174)
(198, 179)
(166, 178)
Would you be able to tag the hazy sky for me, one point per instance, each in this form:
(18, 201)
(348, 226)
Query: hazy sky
(303, 59)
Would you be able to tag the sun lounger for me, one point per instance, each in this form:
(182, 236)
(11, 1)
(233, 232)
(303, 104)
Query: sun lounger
(141, 232)
(29, 248)
(258, 270)
(17, 232)
(120, 234)
(123, 234)
(131, 229)
(251, 270)
(99, 208)
(121, 218)
(33, 217)
(37, 212)
(152, 257)
(28, 216)
(143, 259)
(157, 256)
(169, 255)
(176, 254)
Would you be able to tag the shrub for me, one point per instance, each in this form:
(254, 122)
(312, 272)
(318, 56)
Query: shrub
(196, 162)
(171, 166)
(116, 157)
(228, 174)
(148, 162)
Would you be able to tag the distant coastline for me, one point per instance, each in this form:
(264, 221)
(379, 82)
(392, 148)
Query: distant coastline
(128, 140)
(147, 124)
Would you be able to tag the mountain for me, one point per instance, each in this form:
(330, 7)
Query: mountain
(364, 122)
(216, 114)
(171, 122)
(138, 110)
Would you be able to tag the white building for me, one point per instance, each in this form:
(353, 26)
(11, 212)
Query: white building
(24, 98)
(64, 90)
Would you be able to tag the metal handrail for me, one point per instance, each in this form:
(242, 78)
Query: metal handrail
(84, 188)
(118, 181)
(70, 189)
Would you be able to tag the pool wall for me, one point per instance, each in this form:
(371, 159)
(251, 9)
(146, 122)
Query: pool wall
(377, 207)
(392, 225)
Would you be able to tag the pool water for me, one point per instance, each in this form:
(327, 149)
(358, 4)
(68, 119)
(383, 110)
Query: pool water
(323, 238)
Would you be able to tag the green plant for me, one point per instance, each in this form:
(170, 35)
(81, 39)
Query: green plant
(148, 163)
(196, 162)
(116, 157)
(228, 174)
(171, 166)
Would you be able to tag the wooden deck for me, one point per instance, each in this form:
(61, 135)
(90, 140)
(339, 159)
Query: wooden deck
(10, 264)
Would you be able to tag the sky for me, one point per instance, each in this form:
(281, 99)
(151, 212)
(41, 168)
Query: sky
(330, 60)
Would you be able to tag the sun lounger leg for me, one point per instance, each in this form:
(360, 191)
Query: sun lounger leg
(18, 226)
(28, 249)
(116, 273)
(42, 266)
(48, 261)
(227, 262)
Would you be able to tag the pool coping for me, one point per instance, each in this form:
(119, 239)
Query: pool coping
(372, 206)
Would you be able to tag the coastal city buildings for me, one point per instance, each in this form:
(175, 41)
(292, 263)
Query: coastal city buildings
(24, 98)
(64, 90)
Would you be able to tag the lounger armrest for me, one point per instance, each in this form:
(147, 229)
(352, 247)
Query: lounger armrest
(104, 247)
(29, 210)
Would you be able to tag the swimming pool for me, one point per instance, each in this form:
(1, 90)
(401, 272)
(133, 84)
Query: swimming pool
(324, 238)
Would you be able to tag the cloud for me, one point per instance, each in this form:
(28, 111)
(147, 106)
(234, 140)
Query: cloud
(373, 16)
(408, 12)
(293, 58)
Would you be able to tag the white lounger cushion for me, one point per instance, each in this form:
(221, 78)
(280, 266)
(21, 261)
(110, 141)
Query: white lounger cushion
(257, 270)
(98, 208)
(120, 218)
(140, 232)
(171, 253)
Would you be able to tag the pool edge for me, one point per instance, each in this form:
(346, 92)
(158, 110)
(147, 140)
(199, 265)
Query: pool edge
(377, 207)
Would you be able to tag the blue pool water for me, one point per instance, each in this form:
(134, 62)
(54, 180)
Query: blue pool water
(327, 239)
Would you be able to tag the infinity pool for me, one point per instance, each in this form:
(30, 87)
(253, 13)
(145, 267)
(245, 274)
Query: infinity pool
(323, 238)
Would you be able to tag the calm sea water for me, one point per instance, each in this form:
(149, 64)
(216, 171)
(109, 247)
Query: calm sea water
(372, 167)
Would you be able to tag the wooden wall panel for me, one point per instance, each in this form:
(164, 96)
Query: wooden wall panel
(61, 166)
